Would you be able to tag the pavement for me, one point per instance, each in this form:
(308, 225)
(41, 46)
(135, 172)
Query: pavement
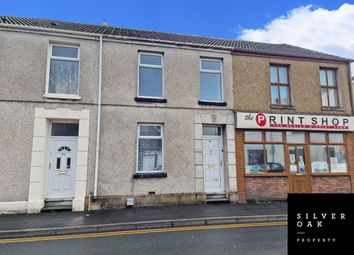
(60, 223)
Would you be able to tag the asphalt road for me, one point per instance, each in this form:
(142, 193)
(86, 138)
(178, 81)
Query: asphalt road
(270, 240)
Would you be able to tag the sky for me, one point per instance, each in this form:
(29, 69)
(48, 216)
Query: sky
(326, 26)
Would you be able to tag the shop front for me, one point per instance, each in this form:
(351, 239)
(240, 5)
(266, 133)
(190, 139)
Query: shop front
(279, 154)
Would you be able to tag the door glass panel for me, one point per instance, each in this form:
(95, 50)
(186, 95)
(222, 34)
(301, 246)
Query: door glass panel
(302, 159)
(292, 159)
(65, 129)
(275, 158)
(58, 163)
(68, 163)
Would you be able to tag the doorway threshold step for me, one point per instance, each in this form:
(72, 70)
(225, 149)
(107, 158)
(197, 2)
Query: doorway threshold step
(57, 205)
(217, 198)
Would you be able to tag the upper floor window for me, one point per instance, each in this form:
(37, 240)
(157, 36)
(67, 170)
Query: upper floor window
(280, 87)
(63, 78)
(150, 80)
(211, 80)
(329, 89)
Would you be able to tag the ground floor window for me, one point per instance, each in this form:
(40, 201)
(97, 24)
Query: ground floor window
(328, 153)
(267, 152)
(150, 148)
(264, 153)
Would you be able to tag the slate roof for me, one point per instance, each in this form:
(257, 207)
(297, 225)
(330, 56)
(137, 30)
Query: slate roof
(177, 39)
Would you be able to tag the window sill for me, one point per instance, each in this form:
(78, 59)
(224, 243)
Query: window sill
(200, 102)
(332, 109)
(329, 174)
(150, 100)
(149, 175)
(267, 175)
(62, 96)
(283, 107)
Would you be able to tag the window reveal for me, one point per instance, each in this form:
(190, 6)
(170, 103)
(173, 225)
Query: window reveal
(63, 70)
(150, 144)
(329, 89)
(280, 87)
(211, 80)
(150, 78)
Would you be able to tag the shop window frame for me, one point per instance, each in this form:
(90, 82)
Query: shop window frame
(306, 145)
(264, 143)
(327, 143)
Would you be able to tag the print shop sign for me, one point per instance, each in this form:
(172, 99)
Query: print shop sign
(294, 122)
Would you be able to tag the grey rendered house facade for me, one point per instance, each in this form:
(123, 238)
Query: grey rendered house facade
(91, 119)
(96, 117)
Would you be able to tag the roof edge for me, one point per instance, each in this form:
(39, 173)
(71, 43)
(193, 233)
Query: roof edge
(279, 55)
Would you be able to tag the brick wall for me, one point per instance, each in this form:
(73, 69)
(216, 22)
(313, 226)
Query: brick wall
(331, 184)
(267, 188)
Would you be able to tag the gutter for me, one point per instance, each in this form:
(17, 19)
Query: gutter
(98, 121)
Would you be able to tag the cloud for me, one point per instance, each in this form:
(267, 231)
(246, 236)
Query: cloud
(329, 31)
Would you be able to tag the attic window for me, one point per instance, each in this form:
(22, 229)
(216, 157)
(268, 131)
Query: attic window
(54, 24)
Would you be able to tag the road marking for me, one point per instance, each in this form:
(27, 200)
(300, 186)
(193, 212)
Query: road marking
(138, 232)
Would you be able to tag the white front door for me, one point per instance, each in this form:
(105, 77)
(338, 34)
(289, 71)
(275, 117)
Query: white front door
(62, 167)
(213, 165)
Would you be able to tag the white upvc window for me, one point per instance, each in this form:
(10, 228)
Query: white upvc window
(150, 148)
(150, 75)
(211, 80)
(63, 70)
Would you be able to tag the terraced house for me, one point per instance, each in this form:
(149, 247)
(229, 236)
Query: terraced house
(295, 123)
(98, 116)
